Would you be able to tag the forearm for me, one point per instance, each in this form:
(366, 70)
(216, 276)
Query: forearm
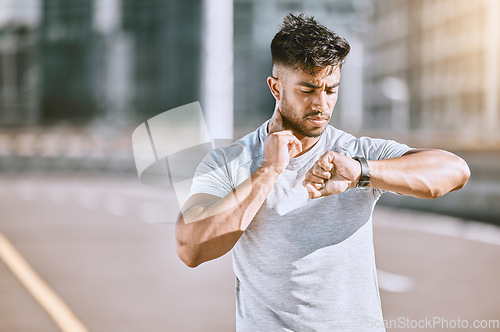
(205, 233)
(424, 174)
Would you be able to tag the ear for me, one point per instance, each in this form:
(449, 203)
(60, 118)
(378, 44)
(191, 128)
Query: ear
(275, 87)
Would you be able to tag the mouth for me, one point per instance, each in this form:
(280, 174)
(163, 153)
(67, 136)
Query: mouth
(317, 121)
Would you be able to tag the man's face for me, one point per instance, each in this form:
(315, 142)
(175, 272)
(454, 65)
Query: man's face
(307, 101)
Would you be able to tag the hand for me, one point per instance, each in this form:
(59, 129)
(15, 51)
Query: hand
(331, 174)
(280, 144)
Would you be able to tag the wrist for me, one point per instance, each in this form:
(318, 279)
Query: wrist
(363, 178)
(270, 170)
(357, 173)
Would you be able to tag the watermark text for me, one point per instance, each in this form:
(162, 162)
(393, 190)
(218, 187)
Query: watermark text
(432, 323)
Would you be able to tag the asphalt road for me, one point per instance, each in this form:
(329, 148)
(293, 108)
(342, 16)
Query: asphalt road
(105, 247)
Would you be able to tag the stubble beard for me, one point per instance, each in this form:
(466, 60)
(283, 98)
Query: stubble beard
(298, 124)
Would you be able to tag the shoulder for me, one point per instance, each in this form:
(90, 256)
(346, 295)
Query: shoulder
(368, 147)
(221, 169)
(240, 152)
(340, 141)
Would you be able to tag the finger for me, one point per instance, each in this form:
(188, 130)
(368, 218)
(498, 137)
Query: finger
(293, 142)
(288, 134)
(321, 172)
(312, 192)
(313, 178)
(324, 192)
(297, 144)
(316, 186)
(317, 193)
(326, 161)
(276, 121)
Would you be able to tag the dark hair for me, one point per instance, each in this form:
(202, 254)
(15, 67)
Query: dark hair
(305, 44)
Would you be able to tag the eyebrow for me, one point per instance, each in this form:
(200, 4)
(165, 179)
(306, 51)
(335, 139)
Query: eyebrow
(313, 86)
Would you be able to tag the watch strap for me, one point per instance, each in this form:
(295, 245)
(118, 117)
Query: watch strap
(364, 179)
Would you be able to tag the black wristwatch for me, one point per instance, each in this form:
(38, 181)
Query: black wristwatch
(364, 179)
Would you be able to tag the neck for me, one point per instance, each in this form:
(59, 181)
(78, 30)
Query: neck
(307, 144)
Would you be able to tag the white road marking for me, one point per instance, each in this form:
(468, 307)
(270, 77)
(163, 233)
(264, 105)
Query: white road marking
(27, 191)
(115, 205)
(87, 198)
(57, 194)
(165, 194)
(431, 224)
(394, 283)
(152, 213)
(60, 313)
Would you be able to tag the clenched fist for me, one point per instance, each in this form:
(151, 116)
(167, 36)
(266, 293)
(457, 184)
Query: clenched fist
(331, 174)
(280, 145)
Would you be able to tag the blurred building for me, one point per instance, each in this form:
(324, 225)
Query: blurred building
(76, 76)
(79, 61)
(434, 67)
(165, 38)
(19, 70)
(67, 59)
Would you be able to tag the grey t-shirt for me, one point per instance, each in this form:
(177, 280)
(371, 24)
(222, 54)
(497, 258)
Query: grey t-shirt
(302, 264)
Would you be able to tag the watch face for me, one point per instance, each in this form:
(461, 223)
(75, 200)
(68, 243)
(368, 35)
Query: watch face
(363, 183)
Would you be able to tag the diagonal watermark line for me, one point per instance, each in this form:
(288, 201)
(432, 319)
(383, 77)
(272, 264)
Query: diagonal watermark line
(146, 123)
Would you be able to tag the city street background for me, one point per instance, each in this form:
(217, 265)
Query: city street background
(77, 77)
(97, 241)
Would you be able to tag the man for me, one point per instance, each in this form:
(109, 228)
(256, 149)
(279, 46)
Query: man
(294, 205)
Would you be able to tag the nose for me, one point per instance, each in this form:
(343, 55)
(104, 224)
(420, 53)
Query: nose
(320, 102)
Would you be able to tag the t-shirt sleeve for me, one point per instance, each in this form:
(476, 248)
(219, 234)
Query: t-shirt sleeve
(212, 175)
(377, 149)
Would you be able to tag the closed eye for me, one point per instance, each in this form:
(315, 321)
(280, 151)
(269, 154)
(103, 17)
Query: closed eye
(307, 91)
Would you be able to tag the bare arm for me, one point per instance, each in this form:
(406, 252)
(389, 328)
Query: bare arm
(419, 173)
(210, 226)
